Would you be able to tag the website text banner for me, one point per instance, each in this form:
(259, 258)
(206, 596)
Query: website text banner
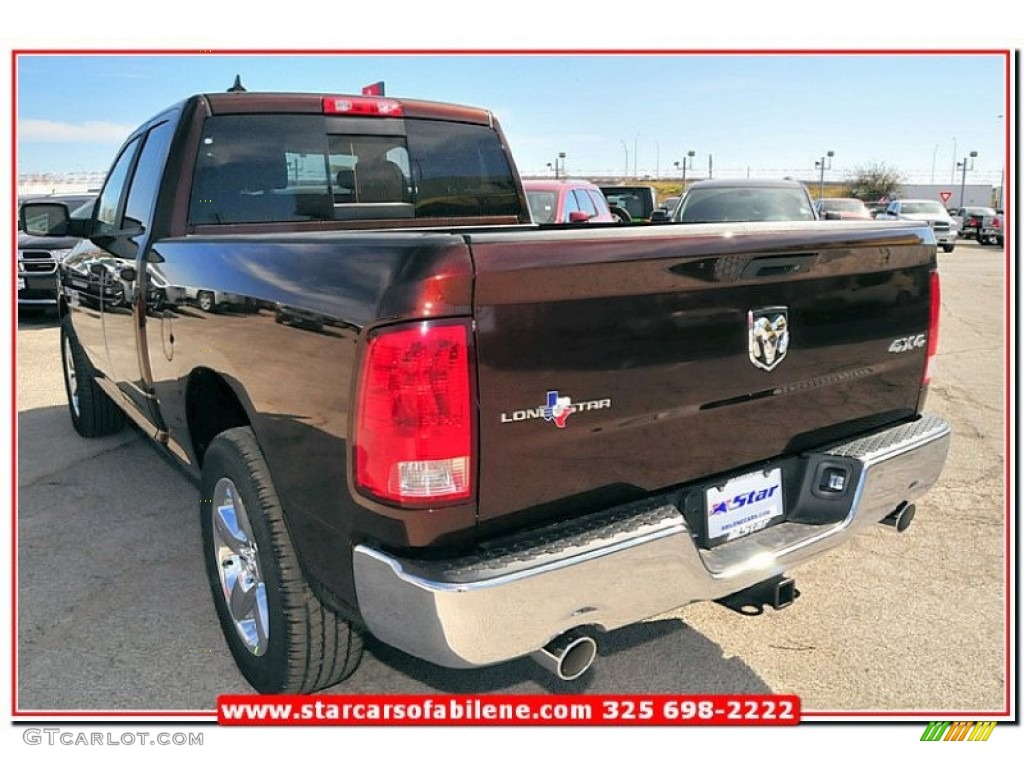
(598, 709)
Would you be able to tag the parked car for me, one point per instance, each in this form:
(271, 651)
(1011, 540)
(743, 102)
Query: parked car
(212, 301)
(109, 285)
(636, 200)
(40, 256)
(995, 235)
(990, 231)
(566, 201)
(665, 209)
(845, 208)
(930, 211)
(725, 200)
(876, 209)
(979, 223)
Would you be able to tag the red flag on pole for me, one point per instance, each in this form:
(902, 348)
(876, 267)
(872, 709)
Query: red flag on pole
(374, 89)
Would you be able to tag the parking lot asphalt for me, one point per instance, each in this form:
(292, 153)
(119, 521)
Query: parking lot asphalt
(114, 612)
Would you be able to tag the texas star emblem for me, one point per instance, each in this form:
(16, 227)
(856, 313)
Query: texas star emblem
(768, 332)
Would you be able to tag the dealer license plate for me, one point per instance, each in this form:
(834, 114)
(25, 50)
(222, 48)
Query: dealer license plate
(743, 505)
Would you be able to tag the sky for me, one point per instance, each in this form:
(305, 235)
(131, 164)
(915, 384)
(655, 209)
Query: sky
(611, 113)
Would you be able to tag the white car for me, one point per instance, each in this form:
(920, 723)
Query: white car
(931, 211)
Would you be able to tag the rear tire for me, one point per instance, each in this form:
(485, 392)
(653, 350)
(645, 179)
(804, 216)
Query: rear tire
(93, 413)
(283, 638)
(947, 248)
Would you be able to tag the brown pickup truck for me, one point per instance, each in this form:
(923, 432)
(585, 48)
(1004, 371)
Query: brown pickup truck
(412, 412)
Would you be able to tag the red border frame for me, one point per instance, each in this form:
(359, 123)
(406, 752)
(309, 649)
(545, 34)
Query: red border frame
(1009, 454)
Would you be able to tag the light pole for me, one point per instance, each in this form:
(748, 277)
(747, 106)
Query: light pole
(934, 152)
(561, 156)
(636, 141)
(1002, 171)
(952, 173)
(625, 171)
(824, 167)
(686, 162)
(962, 166)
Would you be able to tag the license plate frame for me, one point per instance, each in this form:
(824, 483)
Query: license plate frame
(743, 504)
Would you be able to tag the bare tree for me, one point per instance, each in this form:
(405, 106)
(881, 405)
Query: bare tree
(873, 182)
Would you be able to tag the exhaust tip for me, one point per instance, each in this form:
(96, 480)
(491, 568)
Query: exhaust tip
(783, 594)
(901, 517)
(568, 656)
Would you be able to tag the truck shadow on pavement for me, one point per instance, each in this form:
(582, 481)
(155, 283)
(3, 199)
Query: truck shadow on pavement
(114, 612)
(657, 656)
(37, 317)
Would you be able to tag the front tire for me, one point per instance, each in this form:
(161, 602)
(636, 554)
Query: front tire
(282, 637)
(93, 413)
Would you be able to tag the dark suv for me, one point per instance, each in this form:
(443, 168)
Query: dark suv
(39, 256)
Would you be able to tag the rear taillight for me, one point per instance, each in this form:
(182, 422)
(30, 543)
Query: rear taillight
(933, 328)
(972, 222)
(996, 223)
(414, 415)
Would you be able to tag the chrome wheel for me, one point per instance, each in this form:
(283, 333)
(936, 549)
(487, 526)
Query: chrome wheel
(72, 377)
(257, 582)
(238, 565)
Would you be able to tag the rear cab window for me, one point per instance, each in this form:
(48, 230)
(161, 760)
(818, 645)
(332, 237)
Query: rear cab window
(729, 204)
(543, 205)
(255, 168)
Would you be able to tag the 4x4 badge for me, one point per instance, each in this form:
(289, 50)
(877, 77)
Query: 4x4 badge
(768, 333)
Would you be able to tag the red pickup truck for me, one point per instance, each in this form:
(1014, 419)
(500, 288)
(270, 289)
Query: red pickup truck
(412, 412)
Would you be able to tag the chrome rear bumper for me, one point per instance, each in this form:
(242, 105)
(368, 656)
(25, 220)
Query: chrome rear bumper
(617, 568)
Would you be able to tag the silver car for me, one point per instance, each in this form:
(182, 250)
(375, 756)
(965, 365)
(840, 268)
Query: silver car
(931, 211)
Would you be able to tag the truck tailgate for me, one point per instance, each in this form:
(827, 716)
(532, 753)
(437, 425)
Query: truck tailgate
(618, 361)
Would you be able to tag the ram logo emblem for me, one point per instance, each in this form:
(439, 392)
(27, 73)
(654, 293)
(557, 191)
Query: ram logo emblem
(768, 332)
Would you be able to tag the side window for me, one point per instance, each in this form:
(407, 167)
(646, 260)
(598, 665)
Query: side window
(110, 197)
(569, 205)
(599, 202)
(146, 180)
(585, 203)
